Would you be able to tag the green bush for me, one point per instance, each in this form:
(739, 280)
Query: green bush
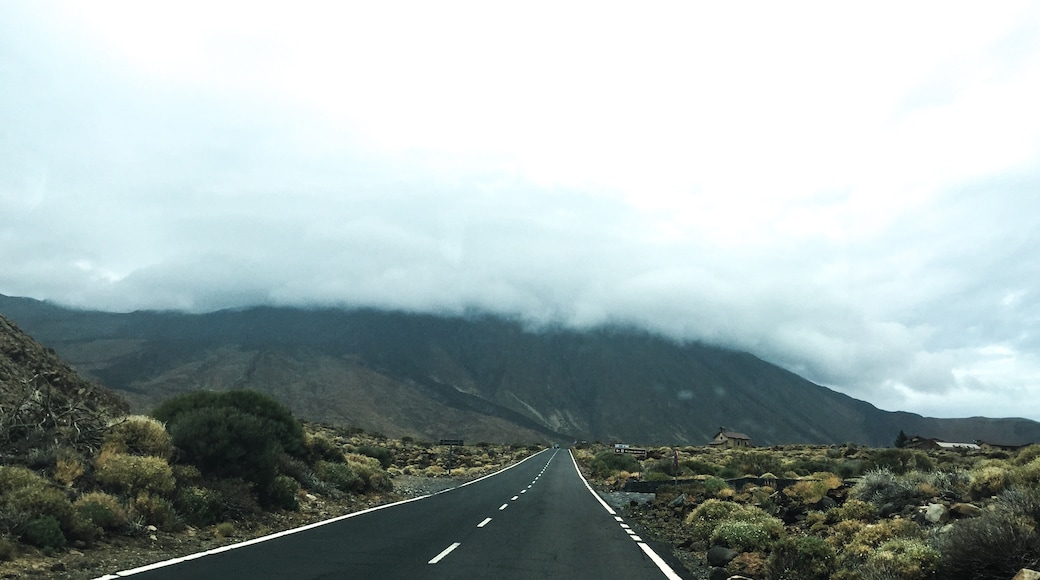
(891, 493)
(102, 510)
(8, 549)
(157, 511)
(698, 467)
(199, 506)
(754, 463)
(745, 536)
(134, 473)
(384, 455)
(608, 463)
(340, 476)
(282, 493)
(227, 443)
(44, 532)
(902, 559)
(900, 461)
(999, 542)
(276, 418)
(801, 557)
(140, 435)
(713, 485)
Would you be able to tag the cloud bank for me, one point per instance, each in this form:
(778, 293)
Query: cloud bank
(846, 193)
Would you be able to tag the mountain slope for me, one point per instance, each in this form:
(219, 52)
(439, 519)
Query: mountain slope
(44, 404)
(479, 377)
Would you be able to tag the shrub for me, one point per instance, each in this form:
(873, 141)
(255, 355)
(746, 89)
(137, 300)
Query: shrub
(801, 557)
(282, 493)
(68, 469)
(713, 485)
(227, 443)
(698, 467)
(8, 550)
(706, 516)
(989, 481)
(24, 504)
(340, 476)
(133, 473)
(140, 435)
(994, 545)
(889, 492)
(900, 461)
(322, 448)
(44, 532)
(853, 509)
(811, 491)
(157, 511)
(370, 472)
(607, 464)
(754, 463)
(1027, 454)
(866, 539)
(744, 536)
(102, 510)
(902, 559)
(199, 506)
(384, 455)
(277, 419)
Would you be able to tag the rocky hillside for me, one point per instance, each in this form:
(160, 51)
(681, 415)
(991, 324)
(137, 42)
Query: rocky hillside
(479, 378)
(44, 402)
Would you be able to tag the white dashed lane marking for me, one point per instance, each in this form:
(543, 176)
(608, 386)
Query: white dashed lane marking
(446, 551)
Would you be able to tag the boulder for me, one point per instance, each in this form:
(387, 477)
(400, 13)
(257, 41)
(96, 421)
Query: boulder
(965, 510)
(719, 556)
(936, 513)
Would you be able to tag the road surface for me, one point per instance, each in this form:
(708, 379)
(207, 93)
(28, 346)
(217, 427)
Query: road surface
(536, 519)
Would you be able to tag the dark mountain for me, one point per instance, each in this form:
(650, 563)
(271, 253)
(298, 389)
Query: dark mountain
(478, 377)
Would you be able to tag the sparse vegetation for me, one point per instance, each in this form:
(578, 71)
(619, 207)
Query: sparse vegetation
(911, 515)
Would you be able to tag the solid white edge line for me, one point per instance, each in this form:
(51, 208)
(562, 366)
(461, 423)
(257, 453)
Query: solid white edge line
(650, 553)
(444, 553)
(661, 564)
(172, 561)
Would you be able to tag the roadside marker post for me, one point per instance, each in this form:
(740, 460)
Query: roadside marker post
(451, 443)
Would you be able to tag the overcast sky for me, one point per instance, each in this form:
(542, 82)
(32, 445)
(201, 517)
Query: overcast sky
(849, 190)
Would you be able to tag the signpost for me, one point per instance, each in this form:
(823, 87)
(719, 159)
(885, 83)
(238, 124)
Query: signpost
(622, 448)
(451, 443)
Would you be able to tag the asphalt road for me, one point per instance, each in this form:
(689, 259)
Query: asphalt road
(537, 519)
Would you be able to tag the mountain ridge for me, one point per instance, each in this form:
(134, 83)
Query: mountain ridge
(481, 376)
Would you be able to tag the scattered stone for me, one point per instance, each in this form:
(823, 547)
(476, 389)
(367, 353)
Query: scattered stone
(719, 556)
(965, 510)
(1027, 574)
(936, 513)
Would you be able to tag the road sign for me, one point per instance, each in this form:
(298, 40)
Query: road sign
(631, 451)
(451, 442)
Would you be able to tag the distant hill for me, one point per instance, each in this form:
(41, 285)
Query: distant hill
(480, 377)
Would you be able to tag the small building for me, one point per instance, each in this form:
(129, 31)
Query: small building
(926, 443)
(730, 439)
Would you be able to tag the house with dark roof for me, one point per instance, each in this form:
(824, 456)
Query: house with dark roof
(731, 439)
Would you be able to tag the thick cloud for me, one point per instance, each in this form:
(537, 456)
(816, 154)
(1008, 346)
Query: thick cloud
(849, 195)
